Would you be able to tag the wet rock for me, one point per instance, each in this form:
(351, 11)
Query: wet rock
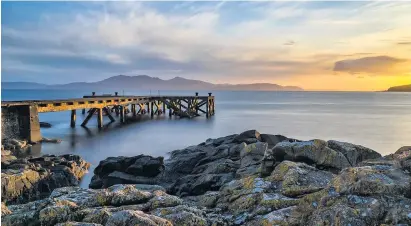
(403, 157)
(80, 205)
(244, 136)
(146, 166)
(182, 215)
(12, 144)
(139, 169)
(222, 140)
(239, 196)
(277, 217)
(29, 179)
(45, 125)
(7, 157)
(296, 179)
(313, 152)
(183, 162)
(238, 180)
(272, 140)
(354, 153)
(373, 180)
(251, 156)
(200, 184)
(4, 209)
(360, 210)
(130, 217)
(50, 140)
(72, 223)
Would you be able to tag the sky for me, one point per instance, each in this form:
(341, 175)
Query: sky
(352, 46)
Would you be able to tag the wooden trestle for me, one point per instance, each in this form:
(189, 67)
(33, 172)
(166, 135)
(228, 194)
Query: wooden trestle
(180, 106)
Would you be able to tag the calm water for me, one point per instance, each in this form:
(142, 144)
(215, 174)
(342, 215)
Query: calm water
(381, 121)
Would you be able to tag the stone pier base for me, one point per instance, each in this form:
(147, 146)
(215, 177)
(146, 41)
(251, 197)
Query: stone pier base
(20, 122)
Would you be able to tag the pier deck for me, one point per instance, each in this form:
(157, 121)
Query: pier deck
(20, 118)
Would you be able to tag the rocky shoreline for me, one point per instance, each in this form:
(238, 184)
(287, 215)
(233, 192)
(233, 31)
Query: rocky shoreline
(25, 179)
(241, 179)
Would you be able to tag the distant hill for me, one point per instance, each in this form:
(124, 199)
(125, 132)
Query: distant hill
(22, 85)
(404, 88)
(144, 82)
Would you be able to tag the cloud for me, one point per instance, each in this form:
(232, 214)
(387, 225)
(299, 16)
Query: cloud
(289, 43)
(404, 43)
(376, 64)
(207, 40)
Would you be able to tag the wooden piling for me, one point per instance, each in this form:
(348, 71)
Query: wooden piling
(152, 111)
(117, 110)
(100, 118)
(133, 109)
(207, 108)
(73, 118)
(122, 114)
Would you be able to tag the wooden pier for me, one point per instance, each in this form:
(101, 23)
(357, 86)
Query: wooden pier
(20, 118)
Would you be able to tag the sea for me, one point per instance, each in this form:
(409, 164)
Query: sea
(378, 120)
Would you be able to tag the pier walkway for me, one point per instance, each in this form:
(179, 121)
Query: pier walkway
(20, 118)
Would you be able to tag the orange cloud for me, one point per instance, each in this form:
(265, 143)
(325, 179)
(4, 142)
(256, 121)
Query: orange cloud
(373, 65)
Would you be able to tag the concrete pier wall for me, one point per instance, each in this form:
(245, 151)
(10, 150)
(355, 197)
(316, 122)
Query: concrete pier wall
(20, 122)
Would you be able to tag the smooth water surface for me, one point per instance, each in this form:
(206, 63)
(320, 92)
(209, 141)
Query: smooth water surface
(381, 121)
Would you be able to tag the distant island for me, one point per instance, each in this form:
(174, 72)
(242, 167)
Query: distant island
(144, 82)
(404, 88)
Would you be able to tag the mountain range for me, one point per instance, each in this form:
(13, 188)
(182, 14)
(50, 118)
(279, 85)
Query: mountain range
(144, 82)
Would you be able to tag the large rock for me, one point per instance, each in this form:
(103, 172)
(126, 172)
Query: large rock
(360, 210)
(238, 180)
(354, 153)
(133, 170)
(25, 180)
(117, 205)
(251, 156)
(296, 179)
(272, 140)
(373, 180)
(403, 157)
(250, 136)
(313, 152)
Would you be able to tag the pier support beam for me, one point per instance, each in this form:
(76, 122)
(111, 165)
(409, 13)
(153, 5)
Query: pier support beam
(73, 118)
(133, 109)
(107, 111)
(152, 111)
(208, 109)
(122, 114)
(100, 118)
(90, 114)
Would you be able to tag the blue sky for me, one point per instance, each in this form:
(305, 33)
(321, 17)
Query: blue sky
(316, 45)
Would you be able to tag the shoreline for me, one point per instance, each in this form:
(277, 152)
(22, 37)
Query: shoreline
(214, 182)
